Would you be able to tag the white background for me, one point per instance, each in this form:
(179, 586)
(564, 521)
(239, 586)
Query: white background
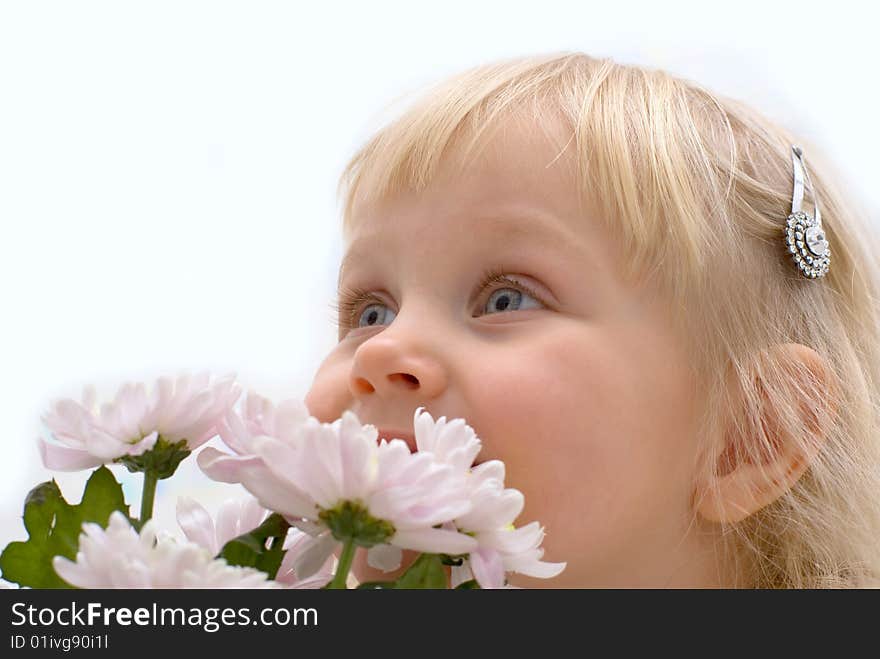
(168, 169)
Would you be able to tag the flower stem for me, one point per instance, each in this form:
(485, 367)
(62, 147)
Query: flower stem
(344, 565)
(149, 494)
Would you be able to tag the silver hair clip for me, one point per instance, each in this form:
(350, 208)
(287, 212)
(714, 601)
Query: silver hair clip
(804, 235)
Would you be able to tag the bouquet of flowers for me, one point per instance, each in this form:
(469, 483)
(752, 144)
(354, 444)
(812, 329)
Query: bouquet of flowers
(319, 493)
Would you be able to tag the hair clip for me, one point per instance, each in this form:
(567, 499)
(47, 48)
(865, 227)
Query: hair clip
(804, 235)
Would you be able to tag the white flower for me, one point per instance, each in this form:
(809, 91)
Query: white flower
(337, 477)
(451, 442)
(187, 408)
(258, 417)
(120, 557)
(236, 517)
(502, 547)
(341, 462)
(321, 476)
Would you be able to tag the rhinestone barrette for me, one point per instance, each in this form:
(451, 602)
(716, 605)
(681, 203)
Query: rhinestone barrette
(804, 235)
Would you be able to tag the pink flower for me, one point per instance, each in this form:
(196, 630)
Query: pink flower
(502, 547)
(319, 475)
(187, 408)
(258, 417)
(451, 442)
(236, 517)
(120, 557)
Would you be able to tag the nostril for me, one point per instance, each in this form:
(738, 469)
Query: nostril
(363, 387)
(409, 380)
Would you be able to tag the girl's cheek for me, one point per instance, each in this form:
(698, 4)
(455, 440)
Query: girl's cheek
(329, 395)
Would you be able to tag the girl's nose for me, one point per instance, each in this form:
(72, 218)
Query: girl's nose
(397, 362)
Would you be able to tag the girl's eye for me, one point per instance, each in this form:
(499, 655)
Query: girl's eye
(510, 299)
(375, 314)
(514, 296)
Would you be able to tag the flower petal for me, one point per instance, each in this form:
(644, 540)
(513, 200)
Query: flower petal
(384, 557)
(223, 467)
(311, 553)
(513, 541)
(487, 567)
(537, 568)
(275, 494)
(62, 458)
(102, 444)
(491, 469)
(435, 541)
(196, 523)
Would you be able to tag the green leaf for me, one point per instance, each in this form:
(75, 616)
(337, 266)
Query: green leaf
(249, 549)
(54, 526)
(425, 572)
(468, 585)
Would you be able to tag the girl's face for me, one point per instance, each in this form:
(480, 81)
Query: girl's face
(572, 378)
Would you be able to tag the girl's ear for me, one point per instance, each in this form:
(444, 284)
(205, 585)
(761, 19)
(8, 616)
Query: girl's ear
(744, 486)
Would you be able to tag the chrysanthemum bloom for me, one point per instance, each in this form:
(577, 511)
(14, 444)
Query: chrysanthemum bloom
(502, 547)
(338, 484)
(258, 416)
(176, 417)
(120, 557)
(450, 442)
(236, 517)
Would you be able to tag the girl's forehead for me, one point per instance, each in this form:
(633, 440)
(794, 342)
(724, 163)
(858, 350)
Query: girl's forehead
(513, 174)
(508, 158)
(533, 227)
(519, 186)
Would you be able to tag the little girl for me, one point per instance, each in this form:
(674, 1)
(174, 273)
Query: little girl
(590, 263)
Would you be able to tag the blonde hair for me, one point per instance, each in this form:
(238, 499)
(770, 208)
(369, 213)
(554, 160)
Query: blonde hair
(696, 187)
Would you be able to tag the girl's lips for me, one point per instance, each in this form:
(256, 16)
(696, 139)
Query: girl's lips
(388, 434)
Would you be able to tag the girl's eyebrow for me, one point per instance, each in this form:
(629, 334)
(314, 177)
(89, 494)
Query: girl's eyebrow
(353, 254)
(548, 232)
